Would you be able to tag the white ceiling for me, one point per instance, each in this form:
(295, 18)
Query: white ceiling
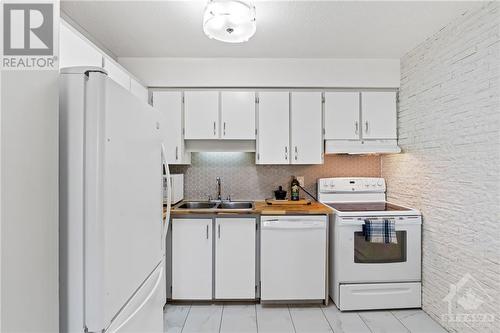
(285, 29)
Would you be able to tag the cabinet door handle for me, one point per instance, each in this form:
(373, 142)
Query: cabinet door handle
(218, 230)
(214, 129)
(366, 126)
(207, 231)
(176, 153)
(286, 153)
(296, 153)
(224, 129)
(356, 127)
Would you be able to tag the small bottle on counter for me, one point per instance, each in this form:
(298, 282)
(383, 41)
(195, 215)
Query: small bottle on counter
(294, 189)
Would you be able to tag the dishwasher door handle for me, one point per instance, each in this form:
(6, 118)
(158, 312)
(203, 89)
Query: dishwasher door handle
(292, 225)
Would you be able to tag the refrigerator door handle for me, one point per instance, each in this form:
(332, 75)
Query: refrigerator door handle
(151, 293)
(169, 195)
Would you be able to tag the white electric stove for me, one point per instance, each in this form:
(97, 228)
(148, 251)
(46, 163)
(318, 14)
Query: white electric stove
(364, 275)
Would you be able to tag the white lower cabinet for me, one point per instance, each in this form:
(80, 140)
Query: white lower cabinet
(193, 263)
(192, 259)
(235, 258)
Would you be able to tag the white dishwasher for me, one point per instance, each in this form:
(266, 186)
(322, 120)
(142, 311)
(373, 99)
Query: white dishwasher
(293, 258)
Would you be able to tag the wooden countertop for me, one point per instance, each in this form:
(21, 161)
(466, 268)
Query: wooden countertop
(315, 208)
(261, 208)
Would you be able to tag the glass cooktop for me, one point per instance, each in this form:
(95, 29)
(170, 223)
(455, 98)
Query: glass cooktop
(366, 207)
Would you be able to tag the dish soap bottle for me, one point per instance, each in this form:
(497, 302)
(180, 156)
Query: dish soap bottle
(295, 189)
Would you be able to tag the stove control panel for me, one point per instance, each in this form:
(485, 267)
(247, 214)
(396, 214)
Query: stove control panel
(357, 184)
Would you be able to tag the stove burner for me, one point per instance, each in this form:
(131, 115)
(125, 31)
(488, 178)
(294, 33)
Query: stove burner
(366, 207)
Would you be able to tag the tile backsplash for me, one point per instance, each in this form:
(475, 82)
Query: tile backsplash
(244, 180)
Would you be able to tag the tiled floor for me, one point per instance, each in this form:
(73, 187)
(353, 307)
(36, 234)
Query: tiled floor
(232, 318)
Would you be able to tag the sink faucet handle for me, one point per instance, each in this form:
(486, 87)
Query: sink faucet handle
(218, 181)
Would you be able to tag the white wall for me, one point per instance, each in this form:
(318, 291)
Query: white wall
(449, 125)
(76, 49)
(29, 201)
(254, 72)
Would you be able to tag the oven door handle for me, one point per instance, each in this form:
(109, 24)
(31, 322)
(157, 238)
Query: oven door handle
(400, 224)
(351, 223)
(292, 225)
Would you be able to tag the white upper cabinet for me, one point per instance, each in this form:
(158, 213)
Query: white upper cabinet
(306, 128)
(379, 115)
(201, 111)
(235, 121)
(169, 103)
(342, 115)
(273, 123)
(75, 51)
(290, 127)
(116, 73)
(235, 258)
(237, 115)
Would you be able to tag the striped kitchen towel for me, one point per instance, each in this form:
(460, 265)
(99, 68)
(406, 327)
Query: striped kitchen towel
(380, 231)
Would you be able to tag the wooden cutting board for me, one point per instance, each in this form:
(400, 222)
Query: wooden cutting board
(288, 202)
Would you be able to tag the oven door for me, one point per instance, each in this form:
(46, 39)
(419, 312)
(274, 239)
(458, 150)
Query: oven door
(360, 261)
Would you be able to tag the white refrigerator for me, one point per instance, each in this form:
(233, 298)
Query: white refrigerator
(112, 233)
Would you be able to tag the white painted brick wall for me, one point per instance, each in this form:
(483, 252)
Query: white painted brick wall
(449, 123)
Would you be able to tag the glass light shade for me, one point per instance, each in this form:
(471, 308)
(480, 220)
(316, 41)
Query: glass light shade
(230, 21)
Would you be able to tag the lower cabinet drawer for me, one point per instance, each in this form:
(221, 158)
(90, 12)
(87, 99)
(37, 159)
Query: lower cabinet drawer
(380, 296)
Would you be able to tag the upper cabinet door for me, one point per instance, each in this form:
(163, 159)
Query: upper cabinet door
(307, 129)
(238, 115)
(169, 103)
(379, 115)
(342, 116)
(75, 51)
(201, 112)
(273, 131)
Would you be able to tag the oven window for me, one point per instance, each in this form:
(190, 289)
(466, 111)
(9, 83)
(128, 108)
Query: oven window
(377, 253)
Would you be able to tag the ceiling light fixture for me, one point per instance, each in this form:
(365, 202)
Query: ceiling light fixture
(230, 21)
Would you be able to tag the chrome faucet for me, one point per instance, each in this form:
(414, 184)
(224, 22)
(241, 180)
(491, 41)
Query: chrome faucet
(218, 180)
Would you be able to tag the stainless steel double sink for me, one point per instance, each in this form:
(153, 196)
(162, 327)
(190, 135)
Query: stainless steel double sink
(216, 205)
